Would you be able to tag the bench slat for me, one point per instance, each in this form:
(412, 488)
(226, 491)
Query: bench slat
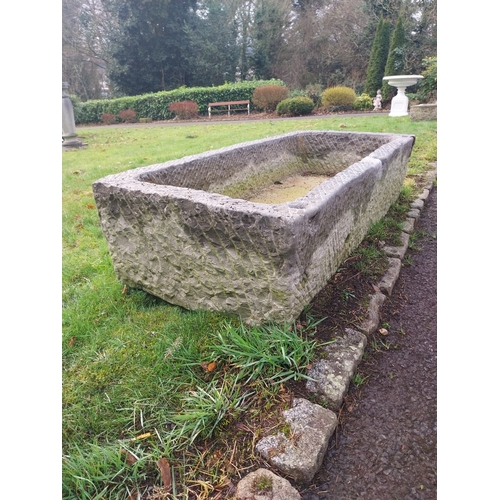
(228, 102)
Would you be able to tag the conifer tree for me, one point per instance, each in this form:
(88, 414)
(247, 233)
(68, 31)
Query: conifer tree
(378, 58)
(396, 59)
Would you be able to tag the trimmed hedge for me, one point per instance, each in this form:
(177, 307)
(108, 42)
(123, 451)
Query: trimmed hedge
(156, 106)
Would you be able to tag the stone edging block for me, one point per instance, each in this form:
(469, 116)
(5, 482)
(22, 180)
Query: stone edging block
(301, 454)
(408, 225)
(279, 488)
(400, 251)
(371, 322)
(332, 375)
(386, 284)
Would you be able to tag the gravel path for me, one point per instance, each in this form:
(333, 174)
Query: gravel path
(385, 447)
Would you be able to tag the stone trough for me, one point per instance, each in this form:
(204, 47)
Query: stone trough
(185, 230)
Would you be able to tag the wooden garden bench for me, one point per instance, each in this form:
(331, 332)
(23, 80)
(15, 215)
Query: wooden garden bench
(238, 107)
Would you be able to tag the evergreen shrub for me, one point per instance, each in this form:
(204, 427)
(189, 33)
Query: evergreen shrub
(378, 58)
(184, 109)
(395, 64)
(363, 103)
(268, 97)
(314, 91)
(427, 89)
(338, 97)
(108, 118)
(295, 106)
(127, 115)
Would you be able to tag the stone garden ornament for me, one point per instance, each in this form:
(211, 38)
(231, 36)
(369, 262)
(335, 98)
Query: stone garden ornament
(399, 103)
(69, 135)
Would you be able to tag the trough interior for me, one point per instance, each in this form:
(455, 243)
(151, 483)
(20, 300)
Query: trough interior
(245, 171)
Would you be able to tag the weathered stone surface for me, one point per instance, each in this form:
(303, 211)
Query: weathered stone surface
(418, 203)
(332, 375)
(279, 488)
(399, 251)
(424, 194)
(183, 231)
(370, 324)
(300, 455)
(414, 214)
(386, 284)
(408, 225)
(423, 112)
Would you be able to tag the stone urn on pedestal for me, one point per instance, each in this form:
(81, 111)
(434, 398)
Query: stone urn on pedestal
(399, 103)
(69, 135)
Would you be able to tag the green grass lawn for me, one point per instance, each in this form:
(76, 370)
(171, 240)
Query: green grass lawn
(143, 379)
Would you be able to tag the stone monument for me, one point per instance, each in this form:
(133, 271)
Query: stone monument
(69, 135)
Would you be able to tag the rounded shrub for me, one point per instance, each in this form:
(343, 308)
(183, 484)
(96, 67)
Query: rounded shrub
(127, 115)
(363, 103)
(338, 96)
(295, 106)
(267, 97)
(184, 109)
(108, 118)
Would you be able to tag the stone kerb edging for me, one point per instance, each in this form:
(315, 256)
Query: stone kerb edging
(301, 454)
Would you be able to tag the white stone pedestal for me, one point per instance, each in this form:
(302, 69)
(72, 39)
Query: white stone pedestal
(399, 103)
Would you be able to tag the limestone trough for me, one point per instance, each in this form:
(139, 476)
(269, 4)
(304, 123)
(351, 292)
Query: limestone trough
(185, 230)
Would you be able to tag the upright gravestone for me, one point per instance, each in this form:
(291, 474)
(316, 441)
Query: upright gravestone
(69, 135)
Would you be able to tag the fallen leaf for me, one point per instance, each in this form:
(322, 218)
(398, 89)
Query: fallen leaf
(376, 288)
(125, 290)
(166, 475)
(89, 206)
(72, 341)
(129, 458)
(209, 367)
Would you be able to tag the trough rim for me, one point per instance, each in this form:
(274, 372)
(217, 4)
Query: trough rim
(310, 202)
